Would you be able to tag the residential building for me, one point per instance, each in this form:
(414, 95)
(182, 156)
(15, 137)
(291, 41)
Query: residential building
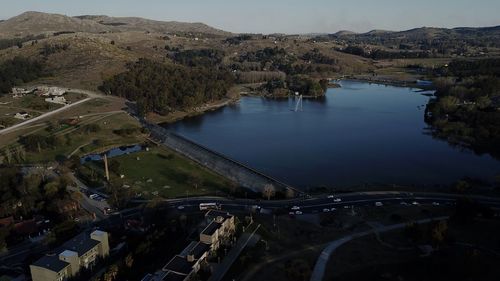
(50, 91)
(22, 115)
(20, 92)
(182, 267)
(56, 99)
(80, 252)
(220, 228)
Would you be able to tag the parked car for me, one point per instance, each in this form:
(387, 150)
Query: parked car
(298, 212)
(326, 210)
(295, 208)
(379, 204)
(337, 200)
(180, 207)
(330, 196)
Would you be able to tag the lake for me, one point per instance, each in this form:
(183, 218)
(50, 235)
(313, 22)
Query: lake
(359, 134)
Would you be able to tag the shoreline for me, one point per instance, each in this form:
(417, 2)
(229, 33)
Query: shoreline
(179, 115)
(389, 82)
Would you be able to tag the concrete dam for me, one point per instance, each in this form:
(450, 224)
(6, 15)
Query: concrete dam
(245, 176)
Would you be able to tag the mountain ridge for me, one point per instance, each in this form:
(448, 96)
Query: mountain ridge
(35, 23)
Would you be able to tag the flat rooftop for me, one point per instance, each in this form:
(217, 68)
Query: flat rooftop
(52, 263)
(179, 265)
(81, 243)
(211, 228)
(212, 214)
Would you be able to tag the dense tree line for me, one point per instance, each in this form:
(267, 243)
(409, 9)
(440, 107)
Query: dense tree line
(465, 110)
(49, 49)
(11, 42)
(316, 56)
(37, 143)
(161, 88)
(296, 83)
(19, 70)
(271, 59)
(202, 57)
(307, 86)
(236, 40)
(25, 195)
(378, 54)
(258, 76)
(464, 68)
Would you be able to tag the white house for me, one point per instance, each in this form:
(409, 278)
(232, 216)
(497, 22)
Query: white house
(56, 99)
(22, 115)
(51, 91)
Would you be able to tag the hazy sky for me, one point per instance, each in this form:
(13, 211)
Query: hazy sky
(286, 16)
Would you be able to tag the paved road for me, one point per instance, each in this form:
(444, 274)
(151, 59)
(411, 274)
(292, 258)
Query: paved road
(91, 95)
(317, 204)
(43, 116)
(320, 267)
(92, 206)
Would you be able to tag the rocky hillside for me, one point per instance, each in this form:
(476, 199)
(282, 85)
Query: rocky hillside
(35, 23)
(141, 24)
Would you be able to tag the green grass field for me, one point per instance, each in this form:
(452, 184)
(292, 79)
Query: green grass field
(160, 172)
(80, 143)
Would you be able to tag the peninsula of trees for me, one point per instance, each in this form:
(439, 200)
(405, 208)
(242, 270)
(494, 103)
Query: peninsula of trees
(163, 88)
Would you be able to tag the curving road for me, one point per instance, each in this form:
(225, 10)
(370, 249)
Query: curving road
(320, 266)
(317, 204)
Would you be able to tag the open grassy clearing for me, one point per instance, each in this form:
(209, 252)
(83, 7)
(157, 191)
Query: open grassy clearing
(160, 172)
(75, 139)
(466, 256)
(295, 243)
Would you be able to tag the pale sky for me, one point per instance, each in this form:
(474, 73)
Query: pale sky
(281, 16)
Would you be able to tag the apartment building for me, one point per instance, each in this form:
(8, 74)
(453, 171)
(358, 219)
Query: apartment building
(80, 252)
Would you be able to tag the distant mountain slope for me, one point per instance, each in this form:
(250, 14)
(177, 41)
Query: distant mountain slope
(426, 32)
(141, 24)
(34, 23)
(40, 23)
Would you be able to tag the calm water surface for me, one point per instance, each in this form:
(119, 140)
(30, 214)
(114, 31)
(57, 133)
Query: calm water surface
(358, 134)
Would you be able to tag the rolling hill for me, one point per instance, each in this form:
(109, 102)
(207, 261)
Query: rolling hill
(35, 23)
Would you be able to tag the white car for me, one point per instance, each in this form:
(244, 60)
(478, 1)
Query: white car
(333, 209)
(298, 213)
(379, 204)
(330, 196)
(435, 203)
(414, 203)
(326, 210)
(347, 207)
(295, 208)
(291, 213)
(180, 207)
(336, 200)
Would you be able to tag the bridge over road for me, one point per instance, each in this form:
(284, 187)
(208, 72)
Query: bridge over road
(245, 176)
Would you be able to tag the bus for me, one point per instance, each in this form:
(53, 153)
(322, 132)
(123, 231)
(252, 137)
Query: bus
(209, 206)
